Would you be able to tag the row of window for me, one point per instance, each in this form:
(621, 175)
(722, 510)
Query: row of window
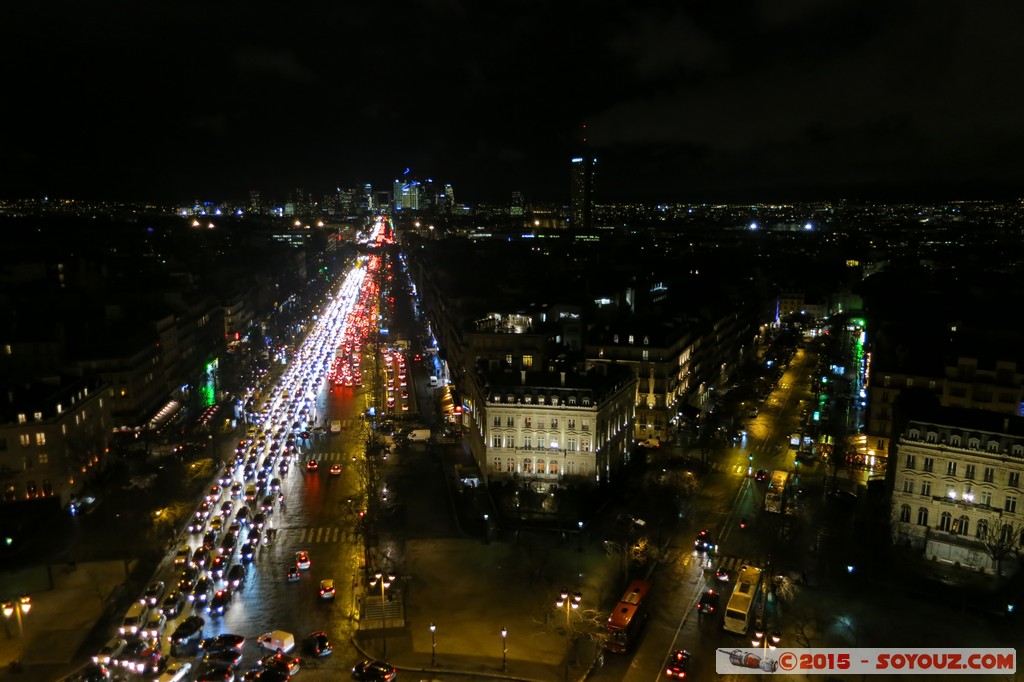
(982, 497)
(541, 467)
(542, 443)
(26, 439)
(955, 441)
(31, 491)
(961, 525)
(571, 400)
(969, 471)
(570, 423)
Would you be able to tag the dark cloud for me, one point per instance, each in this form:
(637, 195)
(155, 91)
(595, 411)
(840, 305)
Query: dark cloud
(680, 100)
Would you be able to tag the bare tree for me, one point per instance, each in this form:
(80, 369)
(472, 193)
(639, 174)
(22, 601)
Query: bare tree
(1001, 541)
(784, 588)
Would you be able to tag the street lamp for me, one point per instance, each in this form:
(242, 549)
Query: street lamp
(763, 639)
(504, 648)
(570, 603)
(433, 645)
(17, 608)
(385, 582)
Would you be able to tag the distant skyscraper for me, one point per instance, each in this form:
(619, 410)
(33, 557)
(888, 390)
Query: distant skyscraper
(406, 195)
(516, 207)
(581, 193)
(368, 196)
(449, 196)
(255, 205)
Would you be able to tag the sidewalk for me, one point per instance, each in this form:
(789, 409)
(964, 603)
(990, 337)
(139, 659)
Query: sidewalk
(471, 590)
(61, 615)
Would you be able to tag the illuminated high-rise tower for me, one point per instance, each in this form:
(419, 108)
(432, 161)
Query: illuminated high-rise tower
(516, 207)
(581, 193)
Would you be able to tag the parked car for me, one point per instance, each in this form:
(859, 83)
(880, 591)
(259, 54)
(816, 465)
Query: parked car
(373, 671)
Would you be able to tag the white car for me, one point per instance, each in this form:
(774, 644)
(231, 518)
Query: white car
(110, 650)
(176, 672)
(154, 628)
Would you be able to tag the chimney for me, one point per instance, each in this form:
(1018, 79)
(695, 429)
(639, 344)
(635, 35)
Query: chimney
(562, 375)
(522, 376)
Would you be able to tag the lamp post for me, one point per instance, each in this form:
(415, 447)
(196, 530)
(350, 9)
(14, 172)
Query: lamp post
(504, 649)
(385, 582)
(18, 607)
(761, 638)
(433, 645)
(571, 603)
(579, 525)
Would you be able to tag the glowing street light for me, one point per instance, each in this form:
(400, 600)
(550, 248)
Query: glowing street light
(385, 582)
(18, 607)
(504, 649)
(769, 642)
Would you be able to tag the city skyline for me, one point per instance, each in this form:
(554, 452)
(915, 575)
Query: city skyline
(678, 104)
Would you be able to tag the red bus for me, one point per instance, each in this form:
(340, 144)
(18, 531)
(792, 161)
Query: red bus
(628, 617)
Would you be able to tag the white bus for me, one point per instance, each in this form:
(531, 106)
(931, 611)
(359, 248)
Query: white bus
(774, 499)
(744, 602)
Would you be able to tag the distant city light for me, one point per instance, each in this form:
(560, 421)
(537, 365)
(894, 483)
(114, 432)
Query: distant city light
(753, 226)
(808, 226)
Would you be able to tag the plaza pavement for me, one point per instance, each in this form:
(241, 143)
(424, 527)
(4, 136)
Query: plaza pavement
(66, 603)
(470, 590)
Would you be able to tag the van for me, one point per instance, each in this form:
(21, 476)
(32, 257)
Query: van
(418, 435)
(135, 619)
(278, 640)
(433, 382)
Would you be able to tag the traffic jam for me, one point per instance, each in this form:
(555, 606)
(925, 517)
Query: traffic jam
(174, 630)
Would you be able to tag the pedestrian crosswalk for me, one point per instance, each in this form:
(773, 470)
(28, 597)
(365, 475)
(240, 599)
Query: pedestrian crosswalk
(305, 536)
(733, 563)
(329, 456)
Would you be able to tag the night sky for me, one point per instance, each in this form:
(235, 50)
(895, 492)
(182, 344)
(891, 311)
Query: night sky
(768, 101)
